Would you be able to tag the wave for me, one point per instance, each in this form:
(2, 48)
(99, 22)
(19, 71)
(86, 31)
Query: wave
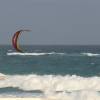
(50, 82)
(34, 54)
(90, 54)
(54, 86)
(53, 53)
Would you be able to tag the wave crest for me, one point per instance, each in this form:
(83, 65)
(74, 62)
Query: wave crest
(51, 82)
(55, 87)
(90, 54)
(34, 54)
(53, 53)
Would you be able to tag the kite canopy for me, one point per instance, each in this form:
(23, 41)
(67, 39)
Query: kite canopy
(15, 40)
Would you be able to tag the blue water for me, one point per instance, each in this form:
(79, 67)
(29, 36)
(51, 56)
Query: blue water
(70, 62)
(80, 61)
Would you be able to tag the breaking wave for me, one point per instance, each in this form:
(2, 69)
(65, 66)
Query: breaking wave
(90, 54)
(55, 87)
(34, 54)
(50, 82)
(53, 53)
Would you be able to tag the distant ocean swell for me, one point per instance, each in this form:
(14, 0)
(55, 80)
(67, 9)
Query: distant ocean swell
(53, 53)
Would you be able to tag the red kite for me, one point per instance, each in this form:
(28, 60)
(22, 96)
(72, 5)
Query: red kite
(15, 40)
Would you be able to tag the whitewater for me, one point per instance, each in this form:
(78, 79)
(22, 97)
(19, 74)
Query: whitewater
(52, 53)
(54, 86)
(50, 83)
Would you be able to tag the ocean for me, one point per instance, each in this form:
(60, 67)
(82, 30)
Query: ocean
(62, 72)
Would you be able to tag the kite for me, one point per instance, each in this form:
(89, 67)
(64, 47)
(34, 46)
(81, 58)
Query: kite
(15, 40)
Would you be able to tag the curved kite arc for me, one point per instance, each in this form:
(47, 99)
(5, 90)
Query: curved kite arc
(15, 40)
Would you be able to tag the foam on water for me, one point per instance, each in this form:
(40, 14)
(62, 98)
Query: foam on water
(90, 54)
(51, 82)
(54, 87)
(78, 95)
(34, 54)
(52, 53)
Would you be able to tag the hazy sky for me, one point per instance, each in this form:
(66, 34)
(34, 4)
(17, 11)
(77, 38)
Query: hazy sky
(51, 21)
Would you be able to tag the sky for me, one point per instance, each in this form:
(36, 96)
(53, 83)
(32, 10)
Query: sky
(54, 22)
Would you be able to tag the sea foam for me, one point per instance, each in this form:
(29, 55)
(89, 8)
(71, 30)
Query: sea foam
(34, 53)
(51, 82)
(52, 53)
(55, 87)
(80, 95)
(90, 54)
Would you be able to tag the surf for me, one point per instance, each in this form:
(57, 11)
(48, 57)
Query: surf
(51, 82)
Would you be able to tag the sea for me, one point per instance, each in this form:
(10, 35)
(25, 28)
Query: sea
(60, 72)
